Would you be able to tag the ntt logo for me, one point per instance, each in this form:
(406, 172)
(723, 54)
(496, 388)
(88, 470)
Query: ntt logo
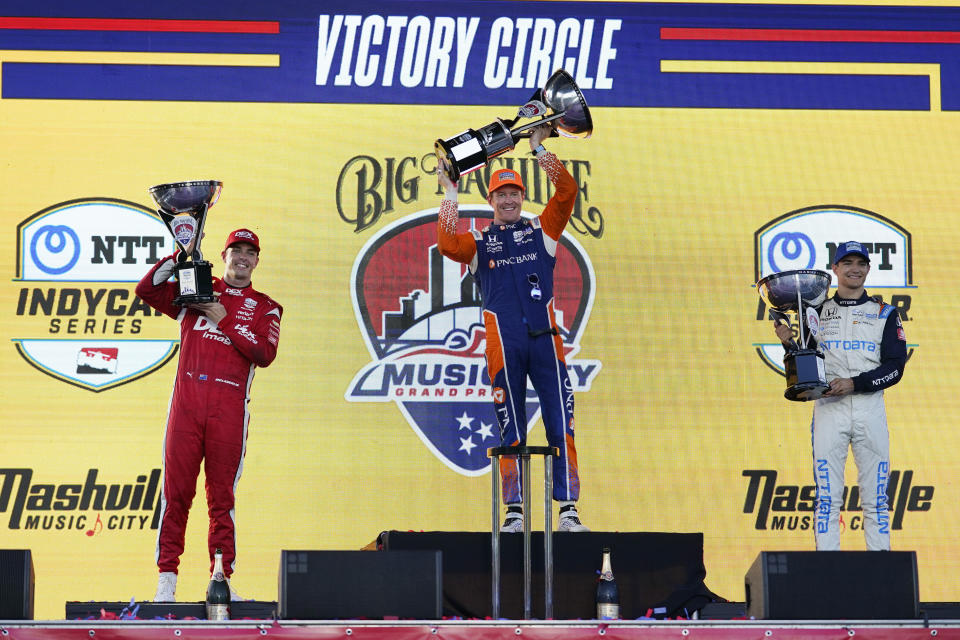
(807, 239)
(77, 317)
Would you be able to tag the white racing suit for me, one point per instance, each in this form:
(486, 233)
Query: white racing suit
(861, 339)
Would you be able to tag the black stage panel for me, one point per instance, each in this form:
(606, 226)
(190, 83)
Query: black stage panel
(653, 570)
(16, 584)
(98, 610)
(331, 585)
(833, 585)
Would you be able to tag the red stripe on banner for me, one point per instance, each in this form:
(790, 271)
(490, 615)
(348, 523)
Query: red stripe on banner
(810, 35)
(130, 24)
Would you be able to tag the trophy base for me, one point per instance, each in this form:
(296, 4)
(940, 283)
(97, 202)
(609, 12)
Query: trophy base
(195, 281)
(471, 150)
(806, 377)
(806, 391)
(194, 298)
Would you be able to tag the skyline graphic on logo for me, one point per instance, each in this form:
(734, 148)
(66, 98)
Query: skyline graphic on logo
(420, 316)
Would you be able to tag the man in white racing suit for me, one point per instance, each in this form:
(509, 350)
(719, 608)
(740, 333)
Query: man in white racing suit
(865, 351)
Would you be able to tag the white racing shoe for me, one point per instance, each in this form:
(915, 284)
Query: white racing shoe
(513, 523)
(166, 587)
(570, 521)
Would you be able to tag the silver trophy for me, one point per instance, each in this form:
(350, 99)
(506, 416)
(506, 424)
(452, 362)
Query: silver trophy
(800, 291)
(183, 208)
(558, 103)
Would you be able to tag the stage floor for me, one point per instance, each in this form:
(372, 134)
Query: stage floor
(481, 630)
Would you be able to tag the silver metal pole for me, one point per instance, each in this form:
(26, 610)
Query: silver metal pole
(803, 338)
(527, 565)
(548, 536)
(495, 535)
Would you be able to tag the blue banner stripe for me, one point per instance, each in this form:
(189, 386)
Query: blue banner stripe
(497, 53)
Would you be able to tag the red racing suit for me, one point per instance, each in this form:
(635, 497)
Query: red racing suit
(208, 415)
(514, 266)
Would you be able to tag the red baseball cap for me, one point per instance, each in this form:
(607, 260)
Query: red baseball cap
(503, 177)
(242, 235)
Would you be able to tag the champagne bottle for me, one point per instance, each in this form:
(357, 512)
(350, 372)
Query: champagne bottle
(608, 594)
(218, 591)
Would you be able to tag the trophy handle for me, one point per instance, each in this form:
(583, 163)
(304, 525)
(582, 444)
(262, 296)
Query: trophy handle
(168, 220)
(524, 131)
(782, 316)
(201, 220)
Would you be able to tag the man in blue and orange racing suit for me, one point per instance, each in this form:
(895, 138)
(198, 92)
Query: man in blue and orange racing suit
(513, 261)
(865, 351)
(221, 344)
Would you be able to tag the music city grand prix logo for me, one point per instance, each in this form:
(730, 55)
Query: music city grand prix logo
(78, 318)
(420, 316)
(807, 239)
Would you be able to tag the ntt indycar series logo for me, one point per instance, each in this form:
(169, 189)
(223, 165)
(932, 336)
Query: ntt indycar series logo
(420, 316)
(808, 238)
(77, 317)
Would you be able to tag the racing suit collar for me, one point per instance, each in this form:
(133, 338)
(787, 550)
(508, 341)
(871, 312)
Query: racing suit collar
(850, 302)
(233, 286)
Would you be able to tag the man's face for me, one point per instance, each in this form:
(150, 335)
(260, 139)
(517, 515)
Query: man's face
(507, 203)
(852, 271)
(240, 260)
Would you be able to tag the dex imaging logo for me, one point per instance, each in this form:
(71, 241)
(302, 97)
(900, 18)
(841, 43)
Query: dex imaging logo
(808, 238)
(420, 316)
(78, 319)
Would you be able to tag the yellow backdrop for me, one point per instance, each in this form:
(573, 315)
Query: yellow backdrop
(682, 417)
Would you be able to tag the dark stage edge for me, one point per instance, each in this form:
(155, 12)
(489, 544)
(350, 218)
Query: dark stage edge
(483, 630)
(257, 611)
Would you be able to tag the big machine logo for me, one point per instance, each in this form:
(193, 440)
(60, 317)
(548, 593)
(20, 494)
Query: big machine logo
(808, 238)
(77, 262)
(421, 318)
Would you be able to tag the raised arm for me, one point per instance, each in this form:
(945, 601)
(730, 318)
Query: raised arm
(457, 246)
(557, 212)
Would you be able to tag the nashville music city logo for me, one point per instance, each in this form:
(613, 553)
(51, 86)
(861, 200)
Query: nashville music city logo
(89, 506)
(420, 316)
(777, 506)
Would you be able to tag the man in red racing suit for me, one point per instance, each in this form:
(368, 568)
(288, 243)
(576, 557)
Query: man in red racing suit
(513, 261)
(221, 344)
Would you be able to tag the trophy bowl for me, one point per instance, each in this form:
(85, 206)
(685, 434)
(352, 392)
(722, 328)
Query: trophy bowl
(559, 103)
(801, 291)
(183, 207)
(563, 96)
(186, 197)
(785, 291)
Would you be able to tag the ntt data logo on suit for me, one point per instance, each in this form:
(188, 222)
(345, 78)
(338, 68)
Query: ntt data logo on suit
(421, 319)
(807, 239)
(77, 317)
